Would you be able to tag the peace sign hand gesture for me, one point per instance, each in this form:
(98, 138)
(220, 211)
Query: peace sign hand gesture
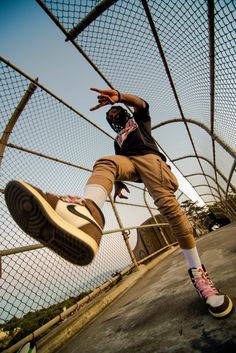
(106, 96)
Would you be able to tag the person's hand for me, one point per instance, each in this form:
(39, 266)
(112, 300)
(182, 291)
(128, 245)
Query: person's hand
(119, 186)
(106, 96)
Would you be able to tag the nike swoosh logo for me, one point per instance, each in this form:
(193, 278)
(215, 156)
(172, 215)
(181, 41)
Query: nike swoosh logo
(71, 208)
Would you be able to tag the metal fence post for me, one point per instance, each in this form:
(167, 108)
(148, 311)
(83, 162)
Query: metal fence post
(125, 234)
(12, 121)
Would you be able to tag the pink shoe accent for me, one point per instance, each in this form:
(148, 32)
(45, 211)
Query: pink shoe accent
(207, 291)
(70, 198)
(203, 283)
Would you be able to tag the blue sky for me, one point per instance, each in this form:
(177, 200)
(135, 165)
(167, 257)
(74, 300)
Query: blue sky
(31, 41)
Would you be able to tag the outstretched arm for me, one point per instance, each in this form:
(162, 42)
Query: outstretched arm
(112, 96)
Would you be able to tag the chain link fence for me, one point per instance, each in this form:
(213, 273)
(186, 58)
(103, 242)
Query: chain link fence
(49, 145)
(179, 56)
(163, 51)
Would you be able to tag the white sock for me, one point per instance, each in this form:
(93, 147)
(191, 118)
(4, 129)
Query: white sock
(192, 257)
(96, 193)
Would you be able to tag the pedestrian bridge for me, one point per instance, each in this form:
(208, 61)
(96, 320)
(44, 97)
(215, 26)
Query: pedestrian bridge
(179, 56)
(158, 310)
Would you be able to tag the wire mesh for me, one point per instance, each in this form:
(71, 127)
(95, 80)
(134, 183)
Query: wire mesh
(39, 278)
(120, 42)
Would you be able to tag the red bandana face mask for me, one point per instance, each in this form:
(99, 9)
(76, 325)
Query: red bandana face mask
(130, 126)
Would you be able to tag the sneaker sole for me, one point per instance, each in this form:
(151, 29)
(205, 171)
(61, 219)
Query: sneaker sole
(224, 313)
(38, 219)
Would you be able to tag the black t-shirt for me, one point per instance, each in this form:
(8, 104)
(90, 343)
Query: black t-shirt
(136, 139)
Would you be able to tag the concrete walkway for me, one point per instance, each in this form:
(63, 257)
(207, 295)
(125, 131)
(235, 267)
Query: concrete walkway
(162, 312)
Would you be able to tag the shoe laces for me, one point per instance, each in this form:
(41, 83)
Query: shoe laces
(70, 198)
(204, 284)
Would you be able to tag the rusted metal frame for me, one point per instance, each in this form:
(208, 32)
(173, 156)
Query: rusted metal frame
(207, 194)
(204, 127)
(232, 204)
(76, 45)
(230, 177)
(208, 161)
(211, 32)
(180, 195)
(230, 213)
(89, 18)
(54, 96)
(72, 309)
(212, 187)
(39, 154)
(226, 207)
(154, 218)
(37, 246)
(222, 201)
(125, 233)
(231, 207)
(58, 24)
(174, 165)
(64, 314)
(214, 137)
(15, 116)
(10, 145)
(21, 249)
(157, 252)
(208, 202)
(209, 176)
(161, 52)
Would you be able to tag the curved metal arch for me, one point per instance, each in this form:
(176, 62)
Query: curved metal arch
(183, 195)
(169, 76)
(180, 195)
(204, 127)
(205, 185)
(208, 161)
(214, 138)
(161, 52)
(230, 212)
(217, 196)
(207, 175)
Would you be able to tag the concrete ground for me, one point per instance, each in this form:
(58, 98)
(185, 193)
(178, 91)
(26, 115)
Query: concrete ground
(162, 312)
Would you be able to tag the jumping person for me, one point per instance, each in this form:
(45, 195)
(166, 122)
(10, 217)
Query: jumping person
(72, 226)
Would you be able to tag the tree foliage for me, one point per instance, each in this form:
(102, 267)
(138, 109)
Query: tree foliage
(19, 328)
(215, 215)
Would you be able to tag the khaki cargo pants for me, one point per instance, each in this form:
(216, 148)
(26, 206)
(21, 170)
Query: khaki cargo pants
(159, 181)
